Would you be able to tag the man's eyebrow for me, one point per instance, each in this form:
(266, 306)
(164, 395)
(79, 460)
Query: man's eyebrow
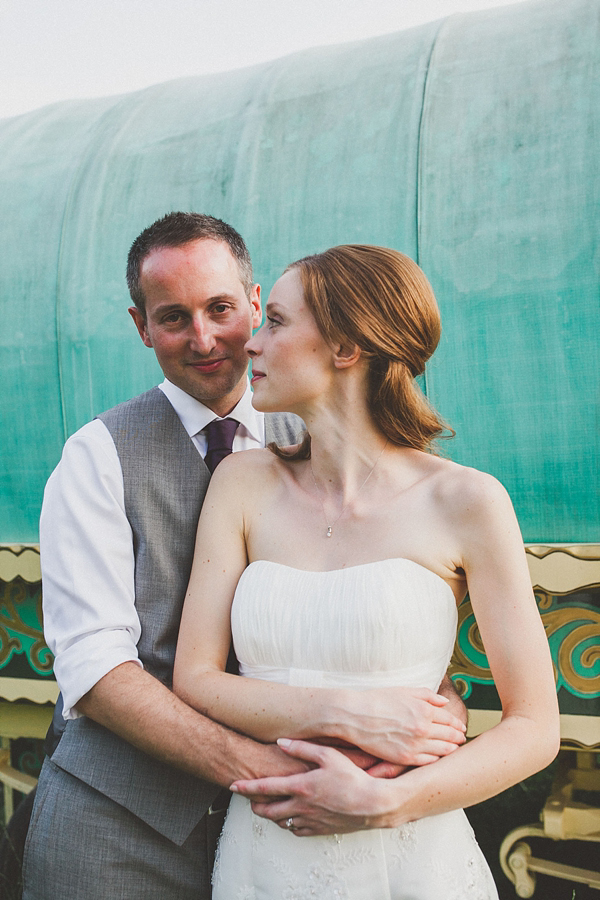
(173, 307)
(167, 307)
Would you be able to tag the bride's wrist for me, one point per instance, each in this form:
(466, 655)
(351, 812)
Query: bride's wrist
(391, 801)
(333, 714)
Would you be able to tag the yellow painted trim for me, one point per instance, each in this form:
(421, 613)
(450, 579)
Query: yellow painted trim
(580, 551)
(20, 560)
(37, 690)
(575, 731)
(557, 568)
(560, 569)
(482, 720)
(580, 731)
(24, 720)
(567, 562)
(14, 779)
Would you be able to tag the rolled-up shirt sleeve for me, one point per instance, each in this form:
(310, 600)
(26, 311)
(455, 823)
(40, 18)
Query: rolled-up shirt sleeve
(90, 621)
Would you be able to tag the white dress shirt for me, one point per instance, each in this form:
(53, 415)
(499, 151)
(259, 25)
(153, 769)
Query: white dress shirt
(90, 620)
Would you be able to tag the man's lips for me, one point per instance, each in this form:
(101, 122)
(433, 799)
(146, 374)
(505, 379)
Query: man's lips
(207, 366)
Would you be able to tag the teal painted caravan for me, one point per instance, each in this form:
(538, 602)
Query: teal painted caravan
(471, 144)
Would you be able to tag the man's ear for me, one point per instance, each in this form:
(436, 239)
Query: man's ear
(256, 307)
(346, 355)
(140, 324)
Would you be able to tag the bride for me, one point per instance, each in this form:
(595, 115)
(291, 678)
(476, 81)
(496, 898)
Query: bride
(339, 564)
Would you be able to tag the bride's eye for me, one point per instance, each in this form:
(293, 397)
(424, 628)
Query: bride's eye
(272, 322)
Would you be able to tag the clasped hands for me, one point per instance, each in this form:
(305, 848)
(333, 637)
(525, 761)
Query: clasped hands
(385, 731)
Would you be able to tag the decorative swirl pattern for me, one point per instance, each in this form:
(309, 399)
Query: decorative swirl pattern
(30, 756)
(572, 626)
(469, 663)
(21, 626)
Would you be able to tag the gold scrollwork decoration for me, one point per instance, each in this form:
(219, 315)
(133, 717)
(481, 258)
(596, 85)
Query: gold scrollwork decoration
(469, 663)
(573, 631)
(20, 627)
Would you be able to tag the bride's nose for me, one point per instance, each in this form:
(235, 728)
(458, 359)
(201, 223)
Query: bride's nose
(252, 347)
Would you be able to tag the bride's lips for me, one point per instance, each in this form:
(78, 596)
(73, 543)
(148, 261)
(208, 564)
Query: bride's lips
(205, 367)
(256, 376)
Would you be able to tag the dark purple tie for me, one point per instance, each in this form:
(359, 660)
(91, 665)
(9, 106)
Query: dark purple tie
(219, 436)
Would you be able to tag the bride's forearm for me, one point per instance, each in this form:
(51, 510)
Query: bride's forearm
(407, 726)
(337, 797)
(487, 765)
(263, 710)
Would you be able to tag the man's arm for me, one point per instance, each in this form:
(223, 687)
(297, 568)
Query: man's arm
(92, 626)
(455, 703)
(130, 702)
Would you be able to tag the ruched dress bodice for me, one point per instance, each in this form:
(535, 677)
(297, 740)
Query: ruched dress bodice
(361, 626)
(384, 623)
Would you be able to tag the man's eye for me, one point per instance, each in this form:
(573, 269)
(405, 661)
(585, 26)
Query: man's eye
(172, 318)
(220, 308)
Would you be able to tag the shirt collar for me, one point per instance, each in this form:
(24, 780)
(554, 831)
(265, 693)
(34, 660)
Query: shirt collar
(195, 416)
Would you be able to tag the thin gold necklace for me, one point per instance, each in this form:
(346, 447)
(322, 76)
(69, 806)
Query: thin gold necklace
(329, 527)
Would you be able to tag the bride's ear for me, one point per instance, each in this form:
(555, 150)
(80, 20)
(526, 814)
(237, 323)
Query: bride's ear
(346, 355)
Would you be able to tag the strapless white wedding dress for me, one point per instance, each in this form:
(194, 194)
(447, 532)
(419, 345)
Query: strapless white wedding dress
(391, 622)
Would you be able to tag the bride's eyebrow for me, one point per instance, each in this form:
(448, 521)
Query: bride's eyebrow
(271, 308)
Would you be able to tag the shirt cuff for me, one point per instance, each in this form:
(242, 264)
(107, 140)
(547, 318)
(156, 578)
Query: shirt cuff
(79, 667)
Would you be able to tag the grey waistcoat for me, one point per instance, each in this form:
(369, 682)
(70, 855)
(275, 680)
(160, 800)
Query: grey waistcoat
(165, 480)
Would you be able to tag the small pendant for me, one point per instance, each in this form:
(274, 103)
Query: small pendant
(329, 531)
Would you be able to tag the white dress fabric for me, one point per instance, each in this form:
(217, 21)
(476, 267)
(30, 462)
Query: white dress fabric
(390, 622)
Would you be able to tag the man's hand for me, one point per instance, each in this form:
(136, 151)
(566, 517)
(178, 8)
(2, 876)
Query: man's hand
(334, 798)
(455, 702)
(405, 726)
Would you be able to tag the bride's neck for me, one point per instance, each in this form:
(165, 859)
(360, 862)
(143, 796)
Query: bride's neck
(345, 446)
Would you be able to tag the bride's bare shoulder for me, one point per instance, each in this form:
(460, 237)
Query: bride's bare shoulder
(467, 493)
(250, 469)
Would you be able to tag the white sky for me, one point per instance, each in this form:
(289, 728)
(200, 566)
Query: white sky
(60, 49)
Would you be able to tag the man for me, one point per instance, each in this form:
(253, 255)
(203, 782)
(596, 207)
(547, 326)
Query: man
(120, 807)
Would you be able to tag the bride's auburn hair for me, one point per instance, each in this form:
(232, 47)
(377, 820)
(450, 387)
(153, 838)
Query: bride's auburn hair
(379, 300)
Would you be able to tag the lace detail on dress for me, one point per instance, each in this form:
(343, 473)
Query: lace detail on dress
(246, 892)
(405, 842)
(471, 882)
(226, 841)
(259, 829)
(325, 879)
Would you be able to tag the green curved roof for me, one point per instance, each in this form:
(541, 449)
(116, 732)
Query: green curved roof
(471, 144)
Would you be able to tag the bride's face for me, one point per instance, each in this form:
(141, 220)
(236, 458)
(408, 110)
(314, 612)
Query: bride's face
(291, 362)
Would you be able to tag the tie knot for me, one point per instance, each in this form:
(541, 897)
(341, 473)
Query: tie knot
(219, 441)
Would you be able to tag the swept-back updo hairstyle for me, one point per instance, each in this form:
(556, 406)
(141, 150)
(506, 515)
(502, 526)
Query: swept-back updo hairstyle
(381, 301)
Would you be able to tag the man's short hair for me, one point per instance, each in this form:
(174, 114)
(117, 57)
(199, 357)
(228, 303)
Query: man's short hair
(179, 228)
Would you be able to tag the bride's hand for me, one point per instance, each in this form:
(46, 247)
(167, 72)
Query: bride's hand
(407, 726)
(335, 797)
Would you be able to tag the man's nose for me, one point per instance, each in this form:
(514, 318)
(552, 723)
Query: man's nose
(202, 338)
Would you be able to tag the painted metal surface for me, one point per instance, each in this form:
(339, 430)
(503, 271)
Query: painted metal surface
(470, 144)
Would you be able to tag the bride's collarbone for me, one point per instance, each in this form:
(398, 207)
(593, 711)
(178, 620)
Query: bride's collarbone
(308, 544)
(375, 525)
(293, 528)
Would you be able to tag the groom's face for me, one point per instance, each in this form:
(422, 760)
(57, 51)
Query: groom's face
(198, 318)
